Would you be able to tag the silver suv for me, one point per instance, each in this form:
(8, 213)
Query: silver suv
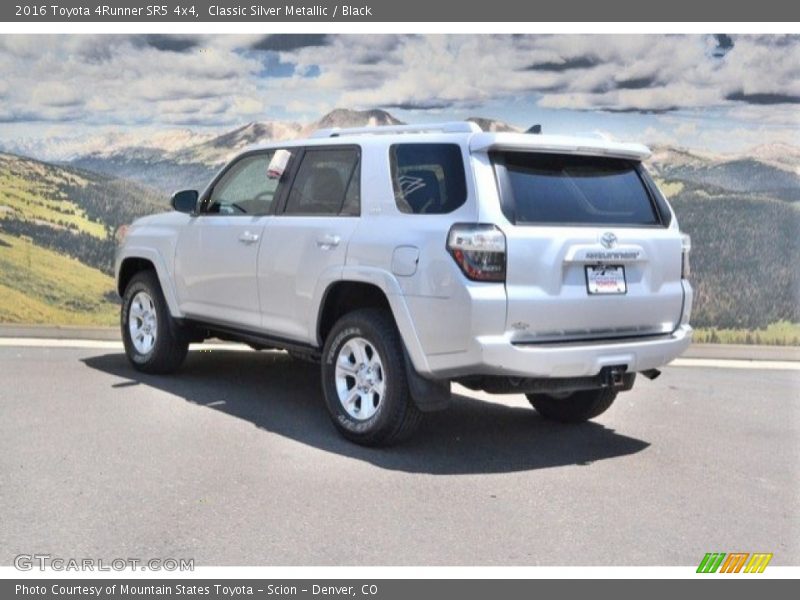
(406, 258)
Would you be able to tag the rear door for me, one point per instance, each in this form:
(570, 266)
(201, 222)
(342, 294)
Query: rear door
(589, 251)
(305, 245)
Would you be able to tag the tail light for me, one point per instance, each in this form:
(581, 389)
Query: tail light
(686, 247)
(479, 250)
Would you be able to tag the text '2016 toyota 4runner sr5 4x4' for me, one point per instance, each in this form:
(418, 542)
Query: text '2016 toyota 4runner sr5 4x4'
(405, 258)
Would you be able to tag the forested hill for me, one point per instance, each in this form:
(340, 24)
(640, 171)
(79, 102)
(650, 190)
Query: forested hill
(70, 210)
(745, 255)
(57, 241)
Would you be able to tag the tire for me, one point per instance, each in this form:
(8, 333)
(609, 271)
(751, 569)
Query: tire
(153, 342)
(368, 399)
(576, 408)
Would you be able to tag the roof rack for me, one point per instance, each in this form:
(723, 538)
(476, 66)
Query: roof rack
(450, 127)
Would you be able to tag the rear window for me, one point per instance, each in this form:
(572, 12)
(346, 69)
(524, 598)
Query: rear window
(428, 179)
(566, 189)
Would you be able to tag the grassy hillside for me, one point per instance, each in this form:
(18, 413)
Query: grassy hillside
(68, 210)
(782, 333)
(56, 241)
(34, 191)
(42, 286)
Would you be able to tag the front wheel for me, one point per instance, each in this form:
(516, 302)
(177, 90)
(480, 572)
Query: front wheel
(364, 380)
(574, 408)
(152, 341)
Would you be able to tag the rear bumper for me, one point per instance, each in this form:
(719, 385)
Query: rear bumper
(496, 355)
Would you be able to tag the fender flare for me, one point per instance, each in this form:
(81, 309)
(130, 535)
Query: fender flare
(159, 264)
(388, 284)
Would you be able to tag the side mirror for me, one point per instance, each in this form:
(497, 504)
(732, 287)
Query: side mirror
(185, 201)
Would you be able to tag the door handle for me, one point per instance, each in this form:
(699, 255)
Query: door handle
(326, 242)
(248, 237)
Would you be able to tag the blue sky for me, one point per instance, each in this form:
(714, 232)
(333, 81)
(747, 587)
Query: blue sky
(711, 92)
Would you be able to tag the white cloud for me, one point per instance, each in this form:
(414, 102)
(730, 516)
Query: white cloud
(219, 80)
(55, 93)
(126, 80)
(622, 72)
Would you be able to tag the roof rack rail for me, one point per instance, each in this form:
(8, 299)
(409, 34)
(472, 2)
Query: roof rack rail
(450, 127)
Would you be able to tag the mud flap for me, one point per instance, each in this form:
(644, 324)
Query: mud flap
(429, 395)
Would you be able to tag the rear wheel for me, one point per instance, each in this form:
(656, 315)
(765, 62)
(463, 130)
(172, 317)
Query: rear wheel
(153, 342)
(574, 408)
(364, 380)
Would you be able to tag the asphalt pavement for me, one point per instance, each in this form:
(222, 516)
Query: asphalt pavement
(233, 461)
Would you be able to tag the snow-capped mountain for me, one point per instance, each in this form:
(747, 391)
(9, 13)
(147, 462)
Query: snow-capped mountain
(219, 149)
(214, 150)
(343, 117)
(494, 125)
(183, 158)
(780, 155)
(192, 163)
(140, 144)
(671, 157)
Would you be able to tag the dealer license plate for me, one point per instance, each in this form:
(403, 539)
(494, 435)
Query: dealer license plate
(606, 279)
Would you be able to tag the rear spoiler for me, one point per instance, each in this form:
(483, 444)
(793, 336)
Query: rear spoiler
(556, 144)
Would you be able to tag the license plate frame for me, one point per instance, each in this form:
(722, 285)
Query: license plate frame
(606, 280)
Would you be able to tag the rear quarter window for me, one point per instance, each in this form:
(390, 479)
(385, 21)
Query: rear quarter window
(428, 179)
(539, 188)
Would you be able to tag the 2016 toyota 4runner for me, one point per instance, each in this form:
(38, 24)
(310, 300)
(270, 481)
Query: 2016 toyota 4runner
(405, 258)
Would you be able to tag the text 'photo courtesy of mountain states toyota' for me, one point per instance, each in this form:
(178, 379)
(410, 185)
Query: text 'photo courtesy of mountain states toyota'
(404, 258)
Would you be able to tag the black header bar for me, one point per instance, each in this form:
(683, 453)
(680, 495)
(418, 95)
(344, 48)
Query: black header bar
(419, 11)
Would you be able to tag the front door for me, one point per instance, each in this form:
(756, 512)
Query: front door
(216, 260)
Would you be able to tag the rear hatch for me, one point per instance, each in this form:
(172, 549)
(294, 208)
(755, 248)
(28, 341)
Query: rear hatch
(590, 254)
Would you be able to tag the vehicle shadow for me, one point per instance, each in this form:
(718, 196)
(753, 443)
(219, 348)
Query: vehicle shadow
(284, 396)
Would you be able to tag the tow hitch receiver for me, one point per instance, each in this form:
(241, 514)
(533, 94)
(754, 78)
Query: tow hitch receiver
(613, 376)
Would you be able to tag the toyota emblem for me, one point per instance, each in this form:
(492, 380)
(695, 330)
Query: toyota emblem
(608, 240)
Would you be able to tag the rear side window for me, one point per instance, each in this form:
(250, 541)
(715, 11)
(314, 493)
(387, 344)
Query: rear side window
(567, 189)
(428, 179)
(326, 183)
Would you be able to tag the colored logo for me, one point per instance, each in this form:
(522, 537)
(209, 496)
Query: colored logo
(735, 562)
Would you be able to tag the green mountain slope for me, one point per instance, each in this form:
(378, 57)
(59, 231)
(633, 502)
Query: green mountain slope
(57, 241)
(68, 210)
(42, 286)
(745, 256)
(34, 191)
